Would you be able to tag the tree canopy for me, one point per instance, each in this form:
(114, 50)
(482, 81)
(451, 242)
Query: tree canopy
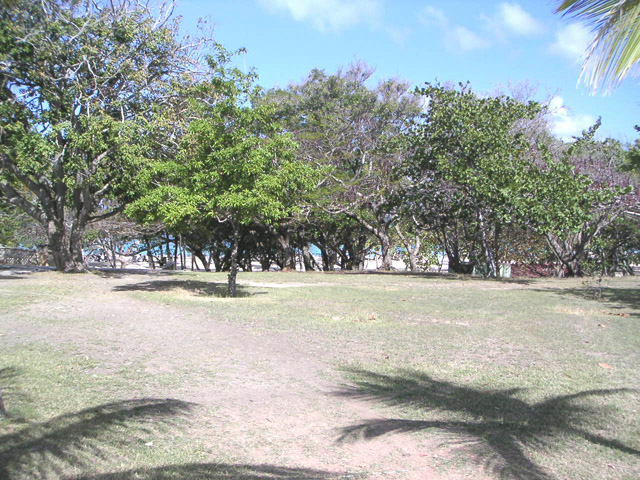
(80, 89)
(233, 163)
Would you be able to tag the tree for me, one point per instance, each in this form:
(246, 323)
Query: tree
(581, 194)
(616, 247)
(615, 49)
(631, 162)
(352, 132)
(80, 87)
(467, 171)
(233, 163)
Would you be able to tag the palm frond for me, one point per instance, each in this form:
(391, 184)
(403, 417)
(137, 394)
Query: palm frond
(615, 50)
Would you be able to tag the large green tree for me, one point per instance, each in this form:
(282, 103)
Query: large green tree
(351, 131)
(578, 194)
(80, 88)
(233, 165)
(467, 170)
(476, 173)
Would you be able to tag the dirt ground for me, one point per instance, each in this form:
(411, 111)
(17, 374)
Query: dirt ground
(264, 397)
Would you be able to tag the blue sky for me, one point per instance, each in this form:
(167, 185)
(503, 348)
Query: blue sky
(491, 44)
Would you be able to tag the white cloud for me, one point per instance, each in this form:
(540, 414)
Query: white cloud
(516, 20)
(464, 39)
(565, 124)
(433, 16)
(327, 15)
(455, 37)
(572, 42)
(398, 35)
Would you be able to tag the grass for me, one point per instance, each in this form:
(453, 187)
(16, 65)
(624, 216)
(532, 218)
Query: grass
(64, 420)
(515, 379)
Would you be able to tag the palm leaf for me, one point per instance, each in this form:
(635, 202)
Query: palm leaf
(615, 50)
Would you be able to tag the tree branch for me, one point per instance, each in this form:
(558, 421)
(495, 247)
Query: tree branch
(14, 198)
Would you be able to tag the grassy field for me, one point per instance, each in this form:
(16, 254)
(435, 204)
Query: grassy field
(112, 375)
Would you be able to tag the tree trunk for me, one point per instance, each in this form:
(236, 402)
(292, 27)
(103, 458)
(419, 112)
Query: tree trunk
(233, 271)
(413, 262)
(570, 253)
(455, 263)
(167, 255)
(65, 250)
(217, 261)
(385, 243)
(265, 263)
(175, 253)
(289, 258)
(381, 232)
(344, 261)
(412, 250)
(112, 253)
(199, 254)
(574, 268)
(489, 257)
(152, 262)
(309, 261)
(183, 254)
(325, 258)
(359, 253)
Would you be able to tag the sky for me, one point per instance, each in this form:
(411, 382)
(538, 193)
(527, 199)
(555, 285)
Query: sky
(491, 44)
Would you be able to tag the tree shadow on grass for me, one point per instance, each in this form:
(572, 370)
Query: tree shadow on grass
(80, 439)
(195, 287)
(218, 471)
(10, 277)
(615, 298)
(8, 391)
(45, 450)
(7, 374)
(107, 272)
(494, 425)
(444, 276)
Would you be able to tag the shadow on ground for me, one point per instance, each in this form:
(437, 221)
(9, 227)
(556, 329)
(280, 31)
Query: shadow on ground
(616, 298)
(16, 272)
(10, 277)
(7, 374)
(125, 272)
(493, 426)
(78, 439)
(8, 392)
(434, 276)
(205, 289)
(218, 471)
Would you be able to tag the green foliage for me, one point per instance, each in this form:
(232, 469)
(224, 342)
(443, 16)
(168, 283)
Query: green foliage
(469, 141)
(616, 248)
(80, 91)
(583, 192)
(18, 229)
(469, 167)
(473, 165)
(352, 132)
(233, 160)
(631, 162)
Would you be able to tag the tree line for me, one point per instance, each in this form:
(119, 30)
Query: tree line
(113, 123)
